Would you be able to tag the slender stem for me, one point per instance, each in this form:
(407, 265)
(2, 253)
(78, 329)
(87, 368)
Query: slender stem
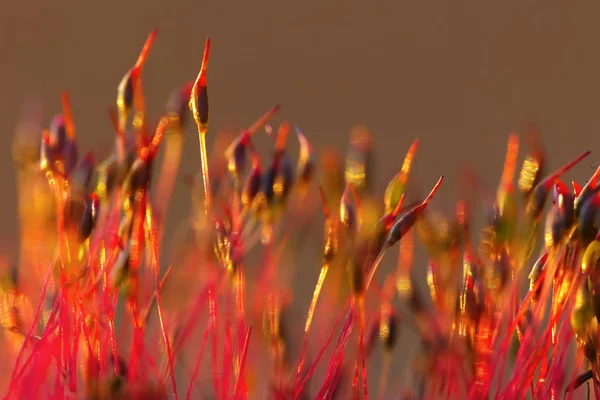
(205, 176)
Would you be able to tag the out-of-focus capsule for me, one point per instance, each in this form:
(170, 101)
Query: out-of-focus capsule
(126, 88)
(58, 133)
(500, 271)
(348, 212)
(10, 300)
(177, 103)
(26, 142)
(388, 331)
(506, 201)
(70, 153)
(82, 176)
(306, 161)
(533, 165)
(407, 220)
(472, 297)
(70, 156)
(589, 260)
(139, 176)
(332, 176)
(356, 272)
(565, 202)
(108, 178)
(395, 189)
(253, 181)
(91, 206)
(582, 313)
(48, 154)
(121, 269)
(278, 179)
(560, 217)
(358, 160)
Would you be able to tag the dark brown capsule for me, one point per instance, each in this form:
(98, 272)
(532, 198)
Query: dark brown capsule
(535, 203)
(70, 156)
(563, 209)
(587, 218)
(199, 95)
(91, 209)
(82, 175)
(125, 93)
(236, 154)
(583, 194)
(252, 185)
(58, 133)
(278, 179)
(126, 88)
(408, 219)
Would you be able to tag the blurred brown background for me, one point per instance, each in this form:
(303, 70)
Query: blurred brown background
(460, 75)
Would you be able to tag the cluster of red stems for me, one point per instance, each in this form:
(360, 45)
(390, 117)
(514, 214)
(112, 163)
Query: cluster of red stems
(88, 311)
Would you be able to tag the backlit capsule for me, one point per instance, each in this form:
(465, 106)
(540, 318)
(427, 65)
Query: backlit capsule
(348, 212)
(306, 166)
(408, 219)
(278, 179)
(539, 193)
(236, 154)
(565, 203)
(587, 218)
(253, 182)
(199, 95)
(395, 189)
(48, 154)
(533, 165)
(89, 218)
(126, 88)
(560, 217)
(583, 194)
